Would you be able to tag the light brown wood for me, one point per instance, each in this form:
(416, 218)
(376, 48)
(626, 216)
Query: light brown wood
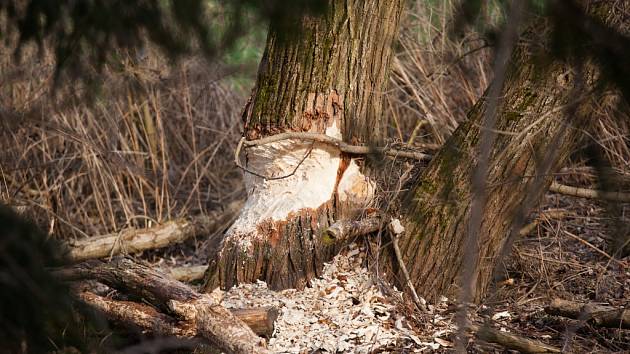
(589, 193)
(187, 274)
(133, 240)
(344, 230)
(260, 319)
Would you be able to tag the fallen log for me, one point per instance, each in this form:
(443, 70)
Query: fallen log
(210, 320)
(512, 341)
(599, 315)
(138, 315)
(134, 240)
(260, 319)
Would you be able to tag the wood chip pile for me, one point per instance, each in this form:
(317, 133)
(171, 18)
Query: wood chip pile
(342, 312)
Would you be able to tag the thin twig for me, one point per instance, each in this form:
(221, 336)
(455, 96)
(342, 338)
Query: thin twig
(416, 299)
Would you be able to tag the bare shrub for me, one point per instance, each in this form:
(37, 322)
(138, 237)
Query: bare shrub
(435, 77)
(152, 142)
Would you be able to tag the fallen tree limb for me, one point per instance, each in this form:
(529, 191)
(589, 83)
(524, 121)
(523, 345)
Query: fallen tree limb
(135, 240)
(210, 320)
(261, 319)
(599, 315)
(589, 193)
(138, 315)
(512, 341)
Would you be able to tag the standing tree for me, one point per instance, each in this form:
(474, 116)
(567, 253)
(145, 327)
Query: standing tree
(463, 217)
(328, 77)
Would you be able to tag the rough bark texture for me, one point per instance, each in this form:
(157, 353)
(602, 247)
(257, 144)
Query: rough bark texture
(326, 77)
(531, 115)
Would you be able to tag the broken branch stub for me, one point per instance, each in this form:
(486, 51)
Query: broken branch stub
(344, 230)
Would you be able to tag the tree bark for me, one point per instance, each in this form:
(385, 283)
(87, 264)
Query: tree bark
(532, 120)
(326, 77)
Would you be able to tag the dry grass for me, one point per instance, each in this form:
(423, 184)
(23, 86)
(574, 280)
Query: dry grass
(435, 77)
(153, 144)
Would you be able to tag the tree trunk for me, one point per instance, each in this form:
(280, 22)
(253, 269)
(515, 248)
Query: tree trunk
(326, 77)
(539, 115)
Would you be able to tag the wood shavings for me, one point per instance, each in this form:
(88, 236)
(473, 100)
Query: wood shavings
(342, 312)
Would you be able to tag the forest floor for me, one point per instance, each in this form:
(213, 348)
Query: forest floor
(351, 310)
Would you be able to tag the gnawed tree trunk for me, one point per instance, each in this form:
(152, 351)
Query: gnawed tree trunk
(327, 77)
(532, 120)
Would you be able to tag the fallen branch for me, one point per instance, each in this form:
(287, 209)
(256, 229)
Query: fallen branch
(135, 240)
(210, 320)
(260, 319)
(599, 315)
(589, 193)
(138, 315)
(512, 341)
